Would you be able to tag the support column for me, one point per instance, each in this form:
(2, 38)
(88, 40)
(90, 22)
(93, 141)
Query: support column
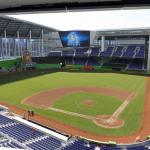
(2, 46)
(26, 44)
(148, 61)
(102, 43)
(42, 46)
(5, 36)
(39, 45)
(30, 46)
(15, 47)
(18, 37)
(21, 49)
(9, 42)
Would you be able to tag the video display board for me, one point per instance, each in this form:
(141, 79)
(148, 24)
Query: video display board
(75, 38)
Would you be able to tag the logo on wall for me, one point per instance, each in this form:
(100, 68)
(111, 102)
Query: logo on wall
(26, 58)
(73, 39)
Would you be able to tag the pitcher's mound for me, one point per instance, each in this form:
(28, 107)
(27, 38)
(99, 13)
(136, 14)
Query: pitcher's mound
(107, 121)
(89, 102)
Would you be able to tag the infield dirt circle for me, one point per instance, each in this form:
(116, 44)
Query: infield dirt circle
(47, 98)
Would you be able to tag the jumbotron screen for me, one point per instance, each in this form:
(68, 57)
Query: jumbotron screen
(75, 38)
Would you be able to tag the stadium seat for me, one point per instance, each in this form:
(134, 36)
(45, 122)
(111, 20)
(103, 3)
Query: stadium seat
(118, 52)
(107, 52)
(81, 52)
(130, 52)
(136, 65)
(95, 51)
(140, 53)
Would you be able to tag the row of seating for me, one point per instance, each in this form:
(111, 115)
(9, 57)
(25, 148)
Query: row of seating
(24, 134)
(131, 64)
(4, 120)
(79, 144)
(36, 140)
(133, 51)
(136, 64)
(49, 143)
(21, 132)
(10, 144)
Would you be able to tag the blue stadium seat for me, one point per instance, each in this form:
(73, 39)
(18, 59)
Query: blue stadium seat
(56, 54)
(4, 120)
(118, 52)
(67, 53)
(21, 132)
(49, 143)
(80, 61)
(81, 52)
(130, 52)
(136, 65)
(69, 60)
(140, 53)
(107, 52)
(95, 51)
(79, 145)
(93, 62)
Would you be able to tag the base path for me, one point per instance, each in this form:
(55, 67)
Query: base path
(142, 132)
(113, 121)
(71, 113)
(123, 105)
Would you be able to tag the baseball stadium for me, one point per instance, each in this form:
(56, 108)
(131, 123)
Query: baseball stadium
(73, 89)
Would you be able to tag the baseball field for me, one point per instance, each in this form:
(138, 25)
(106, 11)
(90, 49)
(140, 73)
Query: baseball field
(108, 104)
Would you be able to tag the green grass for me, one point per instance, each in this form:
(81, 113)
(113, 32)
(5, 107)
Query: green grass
(76, 103)
(9, 63)
(15, 87)
(47, 66)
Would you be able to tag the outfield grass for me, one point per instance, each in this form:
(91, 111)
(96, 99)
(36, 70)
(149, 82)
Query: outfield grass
(18, 88)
